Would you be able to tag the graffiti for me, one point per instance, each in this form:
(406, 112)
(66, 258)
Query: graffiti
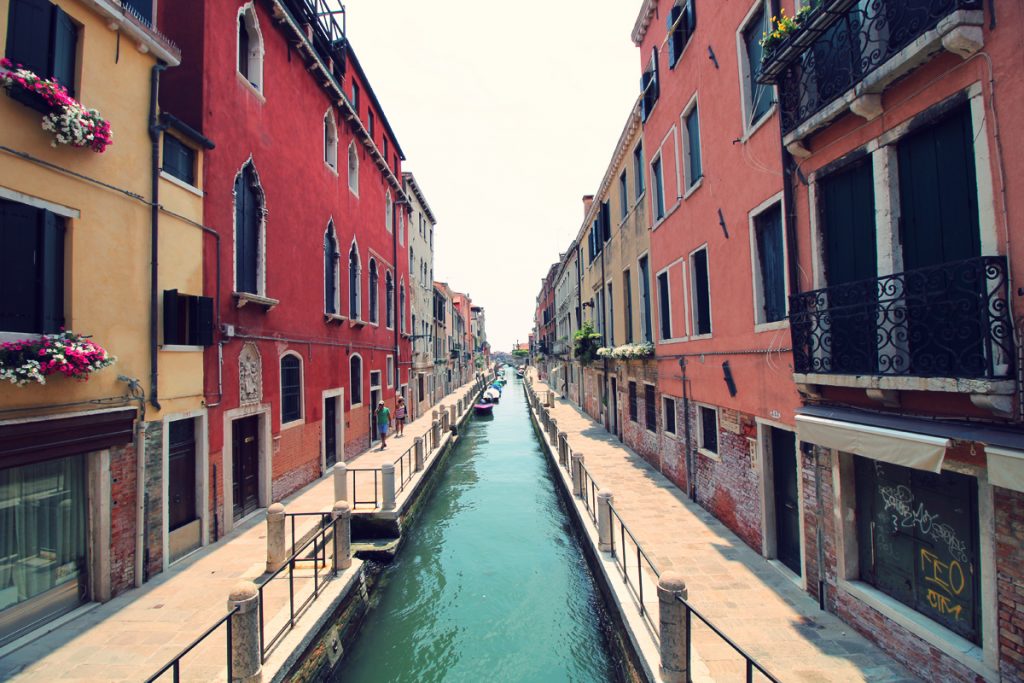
(948, 581)
(899, 500)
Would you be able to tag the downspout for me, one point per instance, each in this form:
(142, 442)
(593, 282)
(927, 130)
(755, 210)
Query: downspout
(690, 483)
(394, 298)
(604, 360)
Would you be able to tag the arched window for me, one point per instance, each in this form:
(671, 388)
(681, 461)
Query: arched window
(401, 308)
(389, 306)
(373, 291)
(330, 140)
(353, 168)
(355, 379)
(291, 388)
(389, 212)
(249, 232)
(331, 276)
(250, 47)
(354, 295)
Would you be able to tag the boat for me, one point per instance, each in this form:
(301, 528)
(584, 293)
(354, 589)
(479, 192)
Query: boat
(492, 395)
(519, 374)
(485, 407)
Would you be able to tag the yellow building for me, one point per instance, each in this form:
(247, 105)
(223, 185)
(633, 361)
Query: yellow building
(107, 244)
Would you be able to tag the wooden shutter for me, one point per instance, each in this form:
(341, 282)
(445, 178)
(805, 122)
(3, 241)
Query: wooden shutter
(693, 141)
(203, 329)
(51, 272)
(702, 294)
(691, 17)
(172, 328)
(64, 48)
(670, 20)
(19, 278)
(28, 34)
(770, 256)
(665, 314)
(606, 219)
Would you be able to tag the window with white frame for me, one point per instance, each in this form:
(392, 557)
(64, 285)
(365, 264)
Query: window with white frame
(638, 169)
(757, 97)
(291, 388)
(658, 182)
(330, 140)
(649, 86)
(769, 265)
(389, 212)
(391, 371)
(623, 196)
(353, 168)
(700, 292)
(332, 277)
(355, 378)
(355, 302)
(389, 305)
(250, 214)
(250, 47)
(682, 22)
(707, 429)
(664, 307)
(692, 169)
(668, 409)
(374, 293)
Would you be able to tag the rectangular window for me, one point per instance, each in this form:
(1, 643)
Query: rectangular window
(694, 171)
(669, 417)
(917, 541)
(188, 319)
(682, 21)
(43, 39)
(385, 154)
(370, 123)
(645, 300)
(758, 96)
(391, 371)
(638, 169)
(375, 380)
(623, 196)
(650, 408)
(770, 265)
(659, 189)
(627, 292)
(419, 386)
(664, 307)
(31, 269)
(179, 160)
(355, 96)
(632, 402)
(605, 218)
(611, 317)
(649, 86)
(291, 389)
(700, 292)
(708, 429)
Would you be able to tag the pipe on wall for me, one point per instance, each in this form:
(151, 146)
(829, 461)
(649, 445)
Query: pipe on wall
(154, 253)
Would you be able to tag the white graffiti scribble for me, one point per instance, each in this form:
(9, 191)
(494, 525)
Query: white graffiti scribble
(900, 499)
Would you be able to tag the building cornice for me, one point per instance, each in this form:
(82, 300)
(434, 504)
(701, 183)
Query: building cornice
(648, 10)
(621, 149)
(408, 177)
(146, 39)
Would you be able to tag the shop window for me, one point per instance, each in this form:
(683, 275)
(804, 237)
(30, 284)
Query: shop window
(31, 269)
(188, 319)
(917, 539)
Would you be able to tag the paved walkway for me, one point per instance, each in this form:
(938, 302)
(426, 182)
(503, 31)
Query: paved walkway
(133, 635)
(747, 598)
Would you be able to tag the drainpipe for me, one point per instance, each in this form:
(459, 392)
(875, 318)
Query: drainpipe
(395, 296)
(154, 136)
(690, 483)
(604, 360)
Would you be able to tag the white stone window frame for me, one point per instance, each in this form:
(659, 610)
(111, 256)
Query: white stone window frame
(372, 288)
(247, 16)
(353, 380)
(333, 233)
(665, 398)
(389, 370)
(389, 300)
(356, 281)
(691, 184)
(756, 280)
(331, 141)
(353, 168)
(389, 212)
(691, 283)
(743, 63)
(301, 419)
(261, 254)
(656, 311)
(713, 455)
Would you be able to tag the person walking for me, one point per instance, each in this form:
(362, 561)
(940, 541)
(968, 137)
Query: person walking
(383, 415)
(400, 415)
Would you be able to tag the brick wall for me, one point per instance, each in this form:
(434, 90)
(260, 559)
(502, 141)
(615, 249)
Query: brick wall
(822, 458)
(296, 460)
(122, 518)
(1009, 541)
(153, 441)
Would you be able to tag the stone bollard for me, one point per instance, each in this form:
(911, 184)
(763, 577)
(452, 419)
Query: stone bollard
(672, 627)
(246, 662)
(387, 482)
(553, 432)
(577, 474)
(453, 418)
(604, 520)
(276, 546)
(419, 453)
(563, 448)
(433, 415)
(342, 516)
(435, 433)
(340, 481)
(551, 399)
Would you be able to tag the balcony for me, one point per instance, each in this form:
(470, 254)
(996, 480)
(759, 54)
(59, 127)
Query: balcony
(943, 328)
(846, 52)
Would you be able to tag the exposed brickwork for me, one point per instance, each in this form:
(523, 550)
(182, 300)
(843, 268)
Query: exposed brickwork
(813, 487)
(122, 518)
(296, 459)
(1009, 541)
(153, 449)
(653, 447)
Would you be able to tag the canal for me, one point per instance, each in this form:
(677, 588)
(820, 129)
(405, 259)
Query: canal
(491, 584)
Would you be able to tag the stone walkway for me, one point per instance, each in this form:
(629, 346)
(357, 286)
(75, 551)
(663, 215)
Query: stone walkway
(133, 635)
(744, 596)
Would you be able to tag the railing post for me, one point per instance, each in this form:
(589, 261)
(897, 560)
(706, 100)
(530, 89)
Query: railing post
(387, 482)
(672, 627)
(553, 432)
(604, 520)
(577, 474)
(246, 660)
(340, 481)
(342, 516)
(563, 447)
(419, 453)
(276, 547)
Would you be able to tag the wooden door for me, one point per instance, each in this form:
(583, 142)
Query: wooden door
(245, 460)
(851, 268)
(181, 474)
(787, 498)
(330, 431)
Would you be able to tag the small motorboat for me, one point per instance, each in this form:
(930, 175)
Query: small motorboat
(491, 395)
(485, 406)
(519, 374)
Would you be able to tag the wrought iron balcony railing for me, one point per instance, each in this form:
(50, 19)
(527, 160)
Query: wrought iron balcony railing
(840, 44)
(951, 320)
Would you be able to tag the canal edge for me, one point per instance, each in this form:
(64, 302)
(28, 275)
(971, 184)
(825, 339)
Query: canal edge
(645, 649)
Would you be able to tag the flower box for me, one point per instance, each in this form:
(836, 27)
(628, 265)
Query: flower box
(30, 99)
(66, 353)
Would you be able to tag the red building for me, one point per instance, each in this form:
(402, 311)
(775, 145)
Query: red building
(308, 264)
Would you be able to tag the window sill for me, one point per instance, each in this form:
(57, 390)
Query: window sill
(772, 327)
(252, 88)
(243, 298)
(294, 423)
(173, 180)
(332, 169)
(659, 222)
(700, 337)
(333, 318)
(710, 455)
(7, 337)
(694, 187)
(748, 131)
(182, 348)
(356, 323)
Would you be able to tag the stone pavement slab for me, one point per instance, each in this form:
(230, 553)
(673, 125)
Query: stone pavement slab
(738, 590)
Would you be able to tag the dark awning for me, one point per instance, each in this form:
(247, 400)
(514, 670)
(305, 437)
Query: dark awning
(34, 440)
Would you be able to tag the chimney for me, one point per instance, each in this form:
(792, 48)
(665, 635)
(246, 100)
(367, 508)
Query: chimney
(588, 199)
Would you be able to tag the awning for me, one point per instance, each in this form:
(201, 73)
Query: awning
(909, 449)
(1005, 468)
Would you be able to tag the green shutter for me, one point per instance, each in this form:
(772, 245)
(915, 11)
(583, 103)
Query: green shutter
(172, 328)
(203, 329)
(64, 48)
(51, 273)
(29, 25)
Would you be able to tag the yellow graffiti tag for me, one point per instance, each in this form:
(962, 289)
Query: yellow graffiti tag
(943, 604)
(946, 576)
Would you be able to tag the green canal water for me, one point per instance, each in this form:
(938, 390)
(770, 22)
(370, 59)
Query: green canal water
(491, 584)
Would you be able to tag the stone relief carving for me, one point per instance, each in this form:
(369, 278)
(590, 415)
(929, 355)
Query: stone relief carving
(250, 375)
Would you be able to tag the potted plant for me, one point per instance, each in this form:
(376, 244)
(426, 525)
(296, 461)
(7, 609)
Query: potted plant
(66, 353)
(70, 122)
(783, 26)
(586, 343)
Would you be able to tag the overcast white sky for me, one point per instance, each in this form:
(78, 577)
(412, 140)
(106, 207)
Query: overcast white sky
(508, 113)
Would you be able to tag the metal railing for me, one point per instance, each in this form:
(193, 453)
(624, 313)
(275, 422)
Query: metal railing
(590, 489)
(634, 580)
(405, 467)
(313, 550)
(950, 320)
(750, 664)
(325, 520)
(175, 664)
(353, 489)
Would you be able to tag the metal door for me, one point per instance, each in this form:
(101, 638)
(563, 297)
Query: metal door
(787, 499)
